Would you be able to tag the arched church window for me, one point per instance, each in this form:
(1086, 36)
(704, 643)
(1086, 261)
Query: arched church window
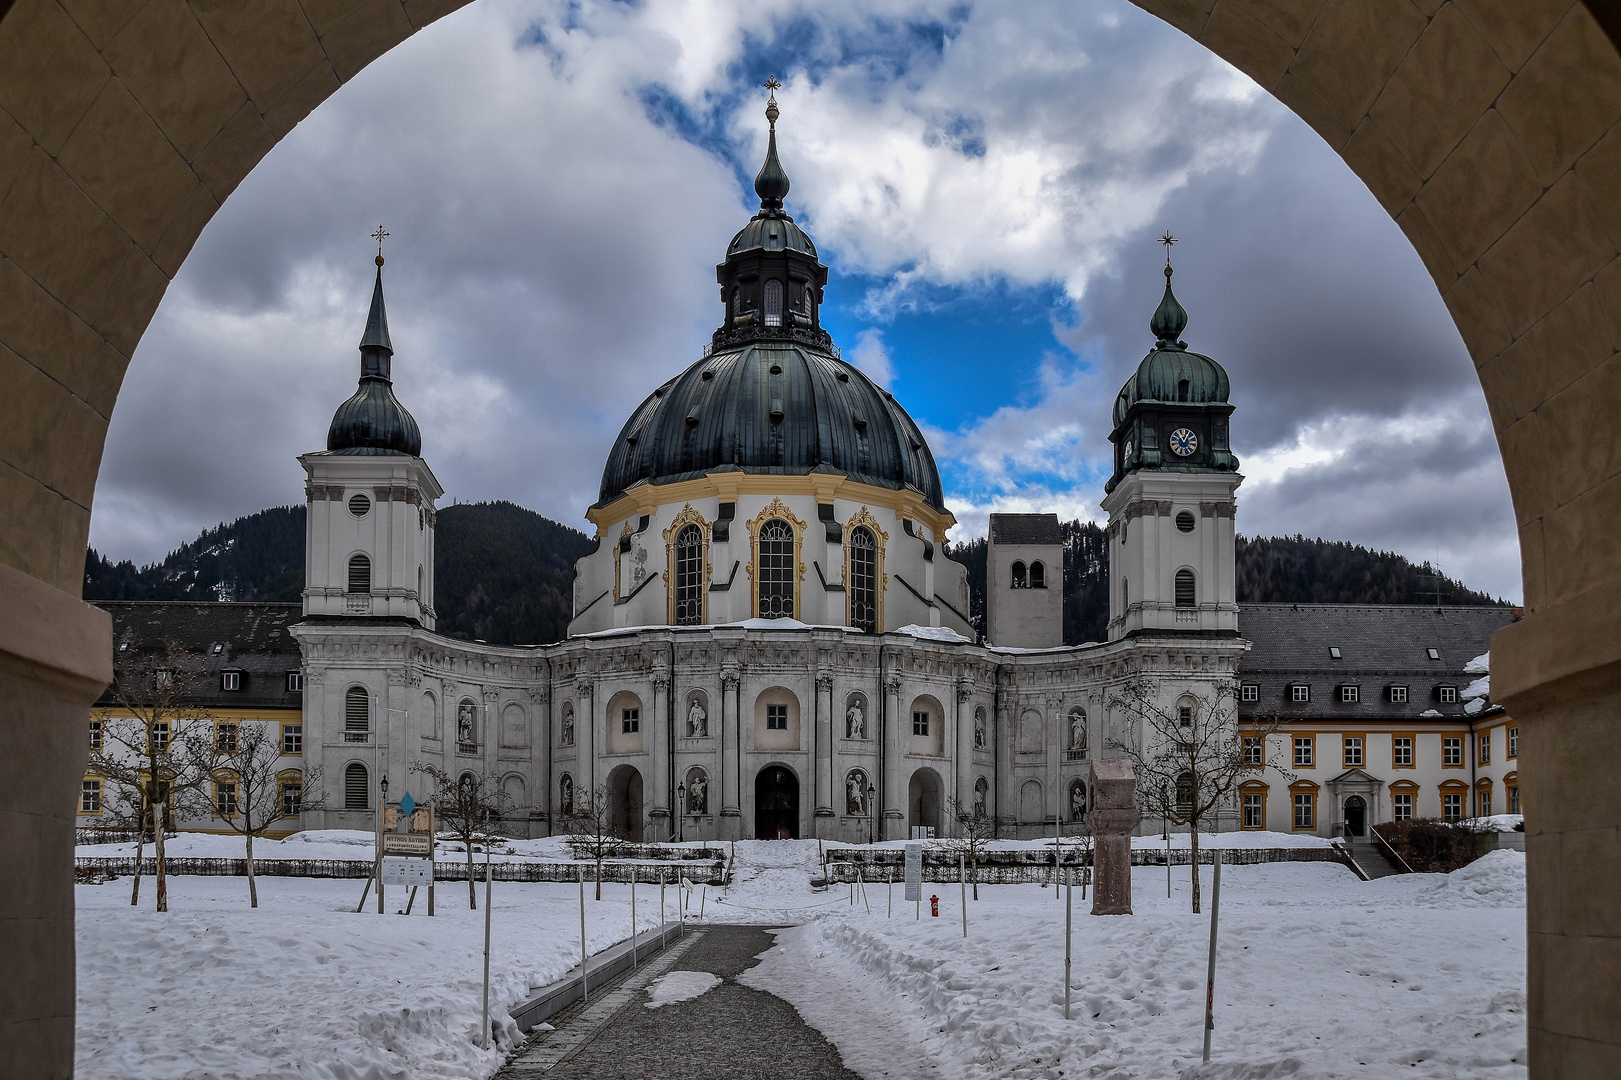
(737, 301)
(1185, 785)
(356, 714)
(356, 787)
(775, 572)
(1182, 390)
(689, 576)
(1019, 579)
(1038, 575)
(359, 574)
(807, 297)
(1185, 593)
(864, 579)
(773, 302)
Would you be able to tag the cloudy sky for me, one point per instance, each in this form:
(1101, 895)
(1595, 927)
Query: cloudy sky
(985, 182)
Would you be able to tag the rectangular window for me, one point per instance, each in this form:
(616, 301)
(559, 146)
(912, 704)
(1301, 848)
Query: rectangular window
(1350, 694)
(90, 797)
(1300, 692)
(1452, 805)
(1452, 752)
(1513, 742)
(1353, 751)
(1254, 810)
(230, 680)
(1254, 750)
(1304, 752)
(1483, 748)
(1483, 803)
(630, 721)
(1305, 810)
(292, 798)
(920, 722)
(1401, 751)
(1514, 799)
(292, 738)
(1398, 695)
(1249, 692)
(95, 736)
(295, 682)
(1447, 694)
(1184, 716)
(1334, 652)
(160, 736)
(776, 717)
(224, 799)
(1401, 806)
(226, 738)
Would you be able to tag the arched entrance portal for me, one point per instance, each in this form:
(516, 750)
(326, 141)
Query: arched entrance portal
(1356, 816)
(625, 803)
(776, 804)
(923, 802)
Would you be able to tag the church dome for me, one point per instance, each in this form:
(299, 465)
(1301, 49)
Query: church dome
(373, 421)
(1170, 373)
(780, 408)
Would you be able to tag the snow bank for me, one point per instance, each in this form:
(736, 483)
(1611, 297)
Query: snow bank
(679, 986)
(1496, 879)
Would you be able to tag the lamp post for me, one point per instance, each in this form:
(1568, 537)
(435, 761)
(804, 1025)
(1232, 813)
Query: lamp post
(382, 805)
(871, 811)
(681, 812)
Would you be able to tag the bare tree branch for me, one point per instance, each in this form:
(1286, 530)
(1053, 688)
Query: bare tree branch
(468, 806)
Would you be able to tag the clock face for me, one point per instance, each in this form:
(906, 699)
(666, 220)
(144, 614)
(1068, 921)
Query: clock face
(1184, 442)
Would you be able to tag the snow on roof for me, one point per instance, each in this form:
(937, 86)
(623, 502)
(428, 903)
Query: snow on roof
(934, 633)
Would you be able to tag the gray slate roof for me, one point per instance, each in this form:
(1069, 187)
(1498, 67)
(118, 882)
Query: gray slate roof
(252, 637)
(1025, 529)
(1380, 645)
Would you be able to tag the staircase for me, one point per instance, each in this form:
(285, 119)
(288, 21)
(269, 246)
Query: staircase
(1372, 858)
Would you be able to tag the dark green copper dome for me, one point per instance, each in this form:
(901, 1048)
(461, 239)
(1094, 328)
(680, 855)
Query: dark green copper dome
(1170, 372)
(373, 421)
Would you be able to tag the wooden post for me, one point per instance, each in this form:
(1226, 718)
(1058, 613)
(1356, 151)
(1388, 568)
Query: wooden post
(488, 878)
(1069, 934)
(585, 989)
(1210, 974)
(633, 916)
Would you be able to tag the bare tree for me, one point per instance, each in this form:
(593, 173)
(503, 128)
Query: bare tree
(975, 830)
(156, 749)
(251, 796)
(1191, 756)
(591, 830)
(469, 807)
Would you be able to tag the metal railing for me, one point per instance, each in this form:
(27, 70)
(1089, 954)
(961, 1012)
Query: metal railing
(710, 873)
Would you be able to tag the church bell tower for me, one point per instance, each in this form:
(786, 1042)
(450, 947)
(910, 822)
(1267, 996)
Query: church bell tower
(370, 496)
(1171, 500)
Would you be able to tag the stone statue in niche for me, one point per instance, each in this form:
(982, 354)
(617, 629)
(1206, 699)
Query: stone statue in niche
(1077, 731)
(464, 723)
(979, 729)
(855, 795)
(698, 794)
(565, 794)
(855, 721)
(697, 720)
(981, 791)
(566, 735)
(1077, 801)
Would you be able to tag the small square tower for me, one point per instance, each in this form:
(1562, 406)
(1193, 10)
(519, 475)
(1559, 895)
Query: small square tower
(1024, 581)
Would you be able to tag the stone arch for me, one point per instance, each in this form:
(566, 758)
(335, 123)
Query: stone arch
(924, 801)
(776, 705)
(1031, 810)
(514, 725)
(1487, 132)
(926, 726)
(627, 723)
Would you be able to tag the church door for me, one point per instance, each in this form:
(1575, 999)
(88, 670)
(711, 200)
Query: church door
(1356, 816)
(776, 804)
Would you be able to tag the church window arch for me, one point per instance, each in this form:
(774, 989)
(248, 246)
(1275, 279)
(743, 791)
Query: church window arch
(737, 301)
(1020, 576)
(773, 302)
(775, 569)
(864, 572)
(807, 297)
(356, 787)
(687, 578)
(1182, 390)
(356, 714)
(360, 573)
(1186, 589)
(1038, 575)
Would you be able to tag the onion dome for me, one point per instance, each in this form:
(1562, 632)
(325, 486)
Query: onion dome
(1173, 412)
(373, 421)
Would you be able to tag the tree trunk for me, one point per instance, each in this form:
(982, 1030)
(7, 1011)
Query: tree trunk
(1193, 832)
(157, 855)
(140, 853)
(973, 872)
(253, 885)
(599, 877)
(472, 885)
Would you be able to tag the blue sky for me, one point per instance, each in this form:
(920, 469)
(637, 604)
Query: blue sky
(984, 181)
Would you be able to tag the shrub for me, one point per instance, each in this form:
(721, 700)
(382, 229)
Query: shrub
(1430, 845)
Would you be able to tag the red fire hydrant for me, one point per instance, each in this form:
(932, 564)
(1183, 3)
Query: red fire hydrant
(934, 906)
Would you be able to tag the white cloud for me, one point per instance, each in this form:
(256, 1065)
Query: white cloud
(869, 354)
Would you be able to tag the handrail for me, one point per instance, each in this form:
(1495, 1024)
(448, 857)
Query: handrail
(1392, 850)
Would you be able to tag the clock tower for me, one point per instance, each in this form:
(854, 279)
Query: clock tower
(1171, 498)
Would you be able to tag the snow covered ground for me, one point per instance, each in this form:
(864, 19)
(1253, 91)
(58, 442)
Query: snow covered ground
(1320, 973)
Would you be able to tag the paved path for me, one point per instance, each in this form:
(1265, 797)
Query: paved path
(732, 1032)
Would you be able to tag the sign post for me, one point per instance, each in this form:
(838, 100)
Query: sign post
(406, 852)
(1210, 974)
(914, 877)
(488, 877)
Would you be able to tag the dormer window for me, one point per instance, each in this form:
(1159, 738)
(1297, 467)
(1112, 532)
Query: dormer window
(1182, 390)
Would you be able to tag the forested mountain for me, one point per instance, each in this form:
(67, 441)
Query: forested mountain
(1273, 569)
(503, 574)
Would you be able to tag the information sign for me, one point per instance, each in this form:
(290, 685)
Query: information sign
(398, 871)
(914, 872)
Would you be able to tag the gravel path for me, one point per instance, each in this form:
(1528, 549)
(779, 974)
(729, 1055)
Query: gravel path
(729, 1033)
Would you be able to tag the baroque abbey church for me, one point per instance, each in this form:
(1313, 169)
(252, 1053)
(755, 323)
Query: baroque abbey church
(770, 640)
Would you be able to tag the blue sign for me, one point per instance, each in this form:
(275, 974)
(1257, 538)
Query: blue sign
(408, 804)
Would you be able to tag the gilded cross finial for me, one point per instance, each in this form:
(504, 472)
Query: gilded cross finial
(773, 85)
(380, 235)
(771, 112)
(1167, 240)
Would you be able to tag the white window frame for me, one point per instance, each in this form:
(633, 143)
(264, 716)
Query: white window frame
(1249, 692)
(1305, 752)
(1357, 744)
(1398, 695)
(230, 680)
(1254, 800)
(1398, 744)
(1299, 692)
(1350, 694)
(1401, 806)
(90, 793)
(1452, 751)
(295, 682)
(1450, 799)
(1447, 695)
(1307, 801)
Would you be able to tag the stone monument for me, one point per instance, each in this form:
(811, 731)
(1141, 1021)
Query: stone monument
(1113, 817)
